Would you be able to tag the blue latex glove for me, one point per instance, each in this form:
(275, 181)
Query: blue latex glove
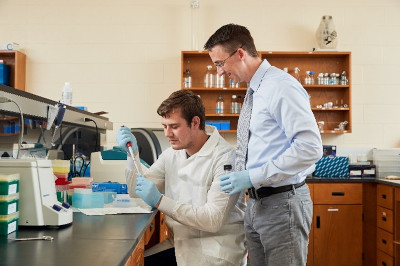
(236, 182)
(124, 136)
(147, 190)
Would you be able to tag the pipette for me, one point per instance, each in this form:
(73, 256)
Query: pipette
(129, 145)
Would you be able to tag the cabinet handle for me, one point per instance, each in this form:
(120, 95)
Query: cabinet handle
(318, 222)
(396, 242)
(384, 219)
(383, 196)
(384, 241)
(383, 263)
(333, 210)
(337, 193)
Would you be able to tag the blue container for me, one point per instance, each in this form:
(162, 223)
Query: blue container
(4, 74)
(87, 200)
(225, 125)
(110, 186)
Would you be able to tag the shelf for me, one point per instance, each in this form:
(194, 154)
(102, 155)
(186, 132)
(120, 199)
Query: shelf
(319, 62)
(223, 115)
(325, 86)
(9, 134)
(17, 63)
(330, 109)
(215, 89)
(35, 107)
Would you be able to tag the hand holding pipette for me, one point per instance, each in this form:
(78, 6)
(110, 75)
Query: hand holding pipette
(128, 143)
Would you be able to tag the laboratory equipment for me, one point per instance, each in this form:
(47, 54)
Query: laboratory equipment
(108, 166)
(38, 204)
(129, 145)
(234, 105)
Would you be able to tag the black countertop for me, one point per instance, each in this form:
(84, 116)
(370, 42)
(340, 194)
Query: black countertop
(89, 240)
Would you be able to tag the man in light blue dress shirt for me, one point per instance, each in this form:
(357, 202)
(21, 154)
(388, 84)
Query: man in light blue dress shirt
(278, 145)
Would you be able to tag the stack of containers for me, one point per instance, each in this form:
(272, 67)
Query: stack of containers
(61, 170)
(9, 203)
(387, 162)
(78, 183)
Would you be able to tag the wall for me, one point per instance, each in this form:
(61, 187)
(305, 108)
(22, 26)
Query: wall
(123, 56)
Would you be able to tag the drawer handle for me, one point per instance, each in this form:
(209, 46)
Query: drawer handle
(333, 210)
(384, 219)
(396, 242)
(337, 193)
(318, 222)
(383, 196)
(384, 241)
(383, 263)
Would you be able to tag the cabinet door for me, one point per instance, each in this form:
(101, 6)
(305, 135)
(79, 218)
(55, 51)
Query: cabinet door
(337, 235)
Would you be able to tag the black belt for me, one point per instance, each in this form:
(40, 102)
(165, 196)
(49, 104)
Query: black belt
(268, 191)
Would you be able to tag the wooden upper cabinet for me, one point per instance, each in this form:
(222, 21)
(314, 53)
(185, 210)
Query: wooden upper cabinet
(16, 60)
(338, 96)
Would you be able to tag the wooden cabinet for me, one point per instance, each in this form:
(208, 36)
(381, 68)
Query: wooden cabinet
(337, 224)
(397, 227)
(17, 63)
(137, 256)
(330, 103)
(197, 63)
(320, 62)
(164, 231)
(385, 224)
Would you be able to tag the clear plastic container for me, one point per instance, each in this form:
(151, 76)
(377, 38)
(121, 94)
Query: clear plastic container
(67, 94)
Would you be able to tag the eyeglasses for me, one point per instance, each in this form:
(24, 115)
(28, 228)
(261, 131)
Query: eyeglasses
(222, 63)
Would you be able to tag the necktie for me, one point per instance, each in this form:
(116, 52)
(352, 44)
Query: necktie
(243, 131)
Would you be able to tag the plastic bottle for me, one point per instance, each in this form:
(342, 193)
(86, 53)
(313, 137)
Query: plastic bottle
(187, 81)
(67, 94)
(220, 105)
(234, 105)
(208, 78)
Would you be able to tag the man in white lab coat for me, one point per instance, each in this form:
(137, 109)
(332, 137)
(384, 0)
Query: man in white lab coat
(206, 223)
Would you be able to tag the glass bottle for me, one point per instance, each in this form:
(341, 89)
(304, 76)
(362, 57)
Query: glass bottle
(234, 105)
(187, 81)
(208, 78)
(219, 109)
(297, 73)
(239, 101)
(312, 79)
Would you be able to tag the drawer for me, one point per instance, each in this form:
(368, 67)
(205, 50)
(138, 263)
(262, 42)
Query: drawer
(384, 241)
(149, 232)
(337, 193)
(383, 259)
(384, 219)
(164, 231)
(384, 196)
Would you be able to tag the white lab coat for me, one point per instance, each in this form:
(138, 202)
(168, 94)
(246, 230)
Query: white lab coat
(206, 223)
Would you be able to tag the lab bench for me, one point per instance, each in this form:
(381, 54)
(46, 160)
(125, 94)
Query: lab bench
(89, 240)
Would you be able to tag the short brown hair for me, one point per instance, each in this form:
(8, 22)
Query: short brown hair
(231, 37)
(189, 103)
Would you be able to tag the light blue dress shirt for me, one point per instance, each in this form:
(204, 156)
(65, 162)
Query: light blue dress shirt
(284, 141)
